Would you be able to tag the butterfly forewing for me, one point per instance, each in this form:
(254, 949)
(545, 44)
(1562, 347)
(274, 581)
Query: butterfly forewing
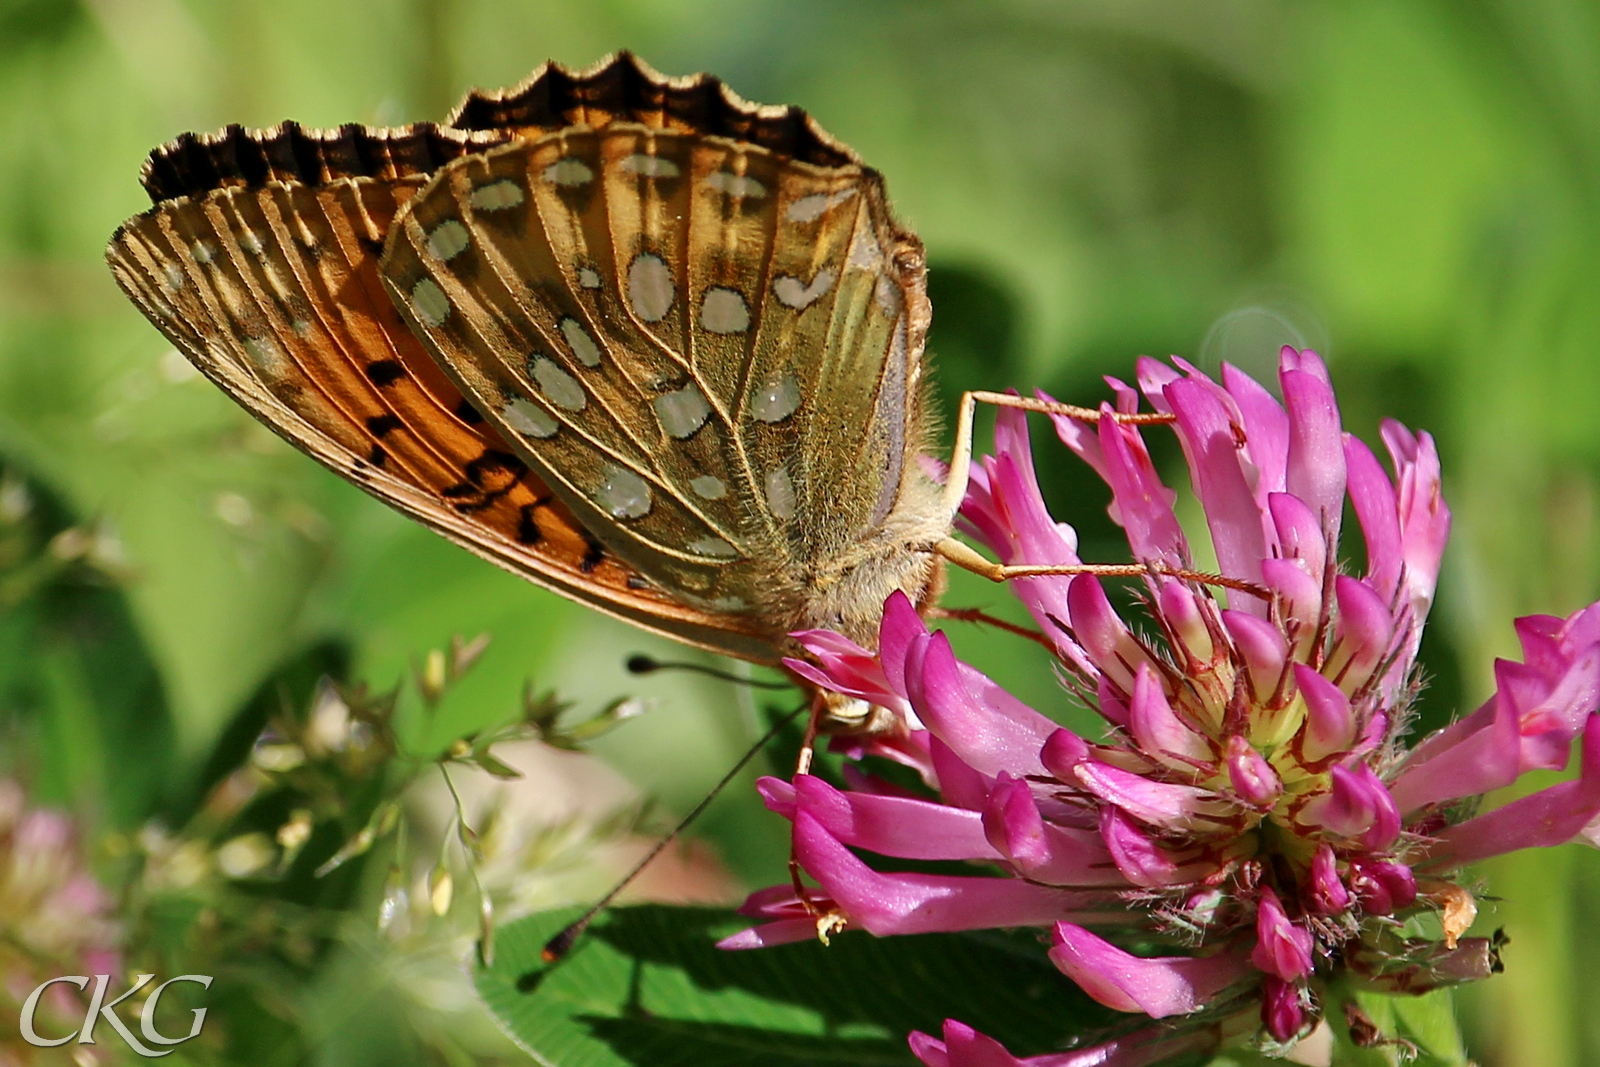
(274, 293)
(688, 338)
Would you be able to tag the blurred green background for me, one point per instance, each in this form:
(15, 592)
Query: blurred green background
(1411, 187)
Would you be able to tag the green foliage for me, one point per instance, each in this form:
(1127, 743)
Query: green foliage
(647, 986)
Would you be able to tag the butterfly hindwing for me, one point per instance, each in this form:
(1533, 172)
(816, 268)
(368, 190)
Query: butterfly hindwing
(632, 337)
(688, 337)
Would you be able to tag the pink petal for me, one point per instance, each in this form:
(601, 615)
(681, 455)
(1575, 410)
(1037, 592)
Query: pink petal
(1299, 595)
(1262, 647)
(1043, 852)
(1357, 806)
(1101, 633)
(1063, 751)
(1474, 762)
(894, 826)
(1266, 429)
(1140, 503)
(1183, 613)
(1251, 776)
(1281, 1012)
(1153, 377)
(1376, 508)
(1382, 887)
(1364, 635)
(1013, 825)
(1156, 727)
(1316, 448)
(1300, 534)
(777, 794)
(900, 628)
(1159, 987)
(1529, 724)
(1207, 432)
(1160, 804)
(1282, 948)
(1424, 518)
(988, 728)
(1327, 893)
(1330, 723)
(965, 1047)
(1144, 862)
(909, 903)
(783, 932)
(1550, 817)
(959, 784)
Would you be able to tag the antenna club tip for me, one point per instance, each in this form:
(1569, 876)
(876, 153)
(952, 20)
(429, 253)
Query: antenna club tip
(641, 664)
(556, 949)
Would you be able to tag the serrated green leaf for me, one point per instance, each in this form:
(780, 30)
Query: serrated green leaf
(646, 985)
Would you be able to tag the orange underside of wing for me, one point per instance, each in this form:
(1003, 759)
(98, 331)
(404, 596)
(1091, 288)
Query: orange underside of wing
(278, 298)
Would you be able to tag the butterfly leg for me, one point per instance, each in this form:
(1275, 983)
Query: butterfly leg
(955, 489)
(955, 483)
(802, 765)
(808, 742)
(968, 558)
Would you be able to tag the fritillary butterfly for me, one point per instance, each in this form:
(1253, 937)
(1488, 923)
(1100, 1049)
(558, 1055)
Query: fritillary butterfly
(630, 337)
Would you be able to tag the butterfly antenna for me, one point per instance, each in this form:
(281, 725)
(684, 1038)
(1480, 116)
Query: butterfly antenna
(558, 946)
(642, 664)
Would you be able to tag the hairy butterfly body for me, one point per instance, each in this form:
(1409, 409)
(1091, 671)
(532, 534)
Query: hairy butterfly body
(649, 346)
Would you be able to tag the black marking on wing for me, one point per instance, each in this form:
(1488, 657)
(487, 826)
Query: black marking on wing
(380, 425)
(468, 414)
(385, 372)
(592, 558)
(528, 531)
(378, 456)
(489, 477)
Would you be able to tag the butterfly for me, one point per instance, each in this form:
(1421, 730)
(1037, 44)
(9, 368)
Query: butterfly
(632, 338)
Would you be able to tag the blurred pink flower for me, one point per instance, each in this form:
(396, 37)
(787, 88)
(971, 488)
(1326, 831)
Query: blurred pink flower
(1251, 805)
(55, 918)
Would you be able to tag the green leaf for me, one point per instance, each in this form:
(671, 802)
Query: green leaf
(646, 985)
(1427, 1021)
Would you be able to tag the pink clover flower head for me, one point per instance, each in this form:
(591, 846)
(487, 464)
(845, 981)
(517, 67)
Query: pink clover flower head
(1251, 804)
